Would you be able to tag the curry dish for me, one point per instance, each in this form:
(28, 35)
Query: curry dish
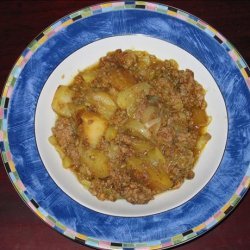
(131, 126)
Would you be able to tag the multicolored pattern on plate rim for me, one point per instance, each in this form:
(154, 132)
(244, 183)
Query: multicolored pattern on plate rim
(24, 58)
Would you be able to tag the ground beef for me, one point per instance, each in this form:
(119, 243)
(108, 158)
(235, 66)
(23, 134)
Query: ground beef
(154, 154)
(119, 118)
(64, 132)
(118, 185)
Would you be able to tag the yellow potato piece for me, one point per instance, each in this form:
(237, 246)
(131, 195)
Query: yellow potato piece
(85, 183)
(93, 127)
(155, 157)
(103, 103)
(141, 145)
(110, 133)
(201, 143)
(121, 78)
(127, 97)
(61, 103)
(66, 161)
(113, 151)
(155, 178)
(159, 179)
(89, 74)
(200, 118)
(97, 162)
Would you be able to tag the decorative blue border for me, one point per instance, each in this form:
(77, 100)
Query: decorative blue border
(30, 55)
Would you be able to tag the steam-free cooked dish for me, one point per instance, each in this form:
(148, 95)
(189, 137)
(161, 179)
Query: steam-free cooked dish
(131, 126)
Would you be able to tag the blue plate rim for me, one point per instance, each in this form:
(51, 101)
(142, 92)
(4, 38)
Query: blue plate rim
(5, 149)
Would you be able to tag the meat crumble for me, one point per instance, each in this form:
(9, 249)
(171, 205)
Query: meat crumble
(131, 126)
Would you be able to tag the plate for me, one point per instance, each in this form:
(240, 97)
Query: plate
(69, 67)
(78, 40)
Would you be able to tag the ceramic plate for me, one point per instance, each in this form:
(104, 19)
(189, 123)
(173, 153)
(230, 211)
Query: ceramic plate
(222, 174)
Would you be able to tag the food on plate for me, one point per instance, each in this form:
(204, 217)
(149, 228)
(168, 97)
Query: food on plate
(131, 126)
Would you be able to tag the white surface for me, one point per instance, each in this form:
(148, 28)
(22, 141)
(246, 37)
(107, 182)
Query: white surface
(79, 60)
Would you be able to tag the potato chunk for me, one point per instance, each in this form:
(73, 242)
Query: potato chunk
(128, 97)
(121, 78)
(61, 103)
(153, 177)
(141, 146)
(155, 157)
(103, 102)
(93, 127)
(201, 143)
(159, 180)
(96, 162)
(89, 74)
(110, 133)
(200, 118)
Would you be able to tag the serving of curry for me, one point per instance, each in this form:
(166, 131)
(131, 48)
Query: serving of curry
(131, 126)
